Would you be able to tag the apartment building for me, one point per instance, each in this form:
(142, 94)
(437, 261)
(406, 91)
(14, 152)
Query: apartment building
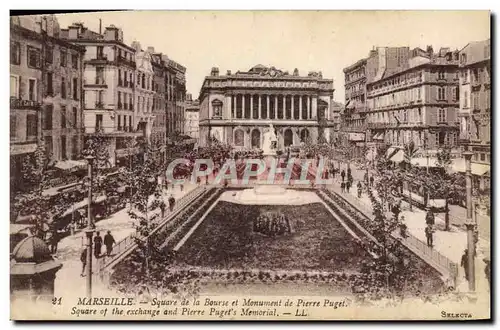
(417, 102)
(192, 116)
(109, 82)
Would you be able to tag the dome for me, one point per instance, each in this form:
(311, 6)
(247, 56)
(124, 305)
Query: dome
(32, 249)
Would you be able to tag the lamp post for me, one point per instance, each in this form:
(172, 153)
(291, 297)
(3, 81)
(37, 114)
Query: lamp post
(89, 231)
(469, 224)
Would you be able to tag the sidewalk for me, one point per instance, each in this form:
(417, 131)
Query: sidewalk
(450, 244)
(68, 278)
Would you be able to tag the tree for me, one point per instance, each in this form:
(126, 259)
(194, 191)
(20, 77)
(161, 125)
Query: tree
(146, 197)
(409, 152)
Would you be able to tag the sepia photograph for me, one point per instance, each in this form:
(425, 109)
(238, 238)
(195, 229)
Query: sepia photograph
(250, 165)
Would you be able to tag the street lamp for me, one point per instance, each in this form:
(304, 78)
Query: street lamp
(89, 231)
(469, 223)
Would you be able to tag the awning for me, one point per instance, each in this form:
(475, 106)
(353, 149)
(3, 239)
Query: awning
(378, 136)
(70, 164)
(81, 204)
(356, 136)
(390, 151)
(424, 162)
(398, 157)
(458, 165)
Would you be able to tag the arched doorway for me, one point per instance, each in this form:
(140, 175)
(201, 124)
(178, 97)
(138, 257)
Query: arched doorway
(288, 138)
(239, 138)
(304, 135)
(256, 138)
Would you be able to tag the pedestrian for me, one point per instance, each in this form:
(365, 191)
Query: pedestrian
(371, 181)
(349, 172)
(402, 227)
(182, 187)
(342, 186)
(83, 259)
(487, 270)
(360, 189)
(348, 186)
(465, 263)
(54, 240)
(428, 234)
(365, 178)
(171, 202)
(342, 174)
(429, 217)
(97, 245)
(109, 240)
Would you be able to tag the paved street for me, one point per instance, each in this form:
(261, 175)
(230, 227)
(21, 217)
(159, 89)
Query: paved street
(68, 279)
(450, 244)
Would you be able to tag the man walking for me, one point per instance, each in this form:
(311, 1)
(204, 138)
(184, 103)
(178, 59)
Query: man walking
(465, 263)
(83, 259)
(360, 189)
(109, 240)
(171, 203)
(97, 245)
(348, 186)
(428, 234)
(371, 181)
(342, 186)
(429, 217)
(342, 174)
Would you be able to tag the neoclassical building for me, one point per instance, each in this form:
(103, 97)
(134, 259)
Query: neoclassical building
(238, 108)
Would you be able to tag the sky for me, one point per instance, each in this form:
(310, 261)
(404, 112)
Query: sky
(325, 41)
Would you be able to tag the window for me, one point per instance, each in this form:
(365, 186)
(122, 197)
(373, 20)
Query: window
(455, 93)
(49, 54)
(13, 125)
(483, 157)
(487, 96)
(63, 116)
(74, 61)
(32, 90)
(31, 126)
(75, 88)
(64, 58)
(119, 77)
(466, 99)
(119, 122)
(74, 147)
(405, 116)
(63, 88)
(99, 77)
(98, 122)
(441, 115)
(119, 100)
(75, 117)
(441, 75)
(47, 118)
(100, 52)
(50, 87)
(33, 57)
(49, 146)
(15, 53)
(63, 147)
(14, 86)
(441, 93)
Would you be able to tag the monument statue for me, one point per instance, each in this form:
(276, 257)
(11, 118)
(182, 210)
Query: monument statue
(269, 142)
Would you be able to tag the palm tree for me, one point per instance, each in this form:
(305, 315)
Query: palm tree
(410, 151)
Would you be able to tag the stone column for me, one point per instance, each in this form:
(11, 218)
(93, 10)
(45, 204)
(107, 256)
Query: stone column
(314, 108)
(267, 108)
(300, 106)
(308, 103)
(229, 112)
(260, 107)
(251, 106)
(276, 107)
(243, 114)
(292, 101)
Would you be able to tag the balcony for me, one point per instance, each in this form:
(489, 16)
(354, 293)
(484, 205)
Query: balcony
(100, 59)
(120, 106)
(99, 83)
(124, 61)
(99, 105)
(20, 104)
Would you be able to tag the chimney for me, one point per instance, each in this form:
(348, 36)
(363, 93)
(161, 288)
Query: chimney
(430, 51)
(228, 73)
(100, 26)
(215, 72)
(111, 33)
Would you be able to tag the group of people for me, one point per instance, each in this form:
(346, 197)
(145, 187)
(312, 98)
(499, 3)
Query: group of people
(108, 241)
